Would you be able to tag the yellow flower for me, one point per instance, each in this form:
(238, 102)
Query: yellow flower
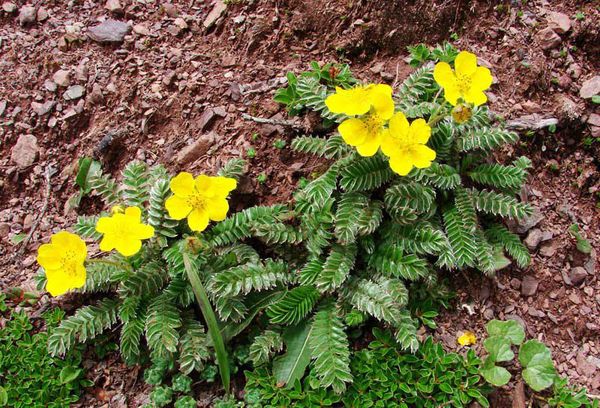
(374, 103)
(404, 144)
(461, 113)
(124, 231)
(62, 260)
(468, 338)
(466, 82)
(199, 200)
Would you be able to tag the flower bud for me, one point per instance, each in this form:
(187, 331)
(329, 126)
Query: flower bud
(462, 113)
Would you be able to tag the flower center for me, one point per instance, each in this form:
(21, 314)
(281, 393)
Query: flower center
(373, 123)
(69, 263)
(463, 82)
(196, 201)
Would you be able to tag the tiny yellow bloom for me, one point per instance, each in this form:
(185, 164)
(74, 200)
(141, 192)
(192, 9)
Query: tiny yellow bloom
(468, 338)
(124, 231)
(62, 260)
(375, 106)
(462, 113)
(467, 81)
(200, 200)
(117, 209)
(404, 144)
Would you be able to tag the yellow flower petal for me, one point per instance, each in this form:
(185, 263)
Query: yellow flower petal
(108, 243)
(452, 94)
(134, 213)
(443, 75)
(399, 125)
(48, 257)
(421, 156)
(370, 145)
(104, 225)
(353, 131)
(203, 184)
(468, 338)
(401, 164)
(380, 97)
(349, 102)
(217, 211)
(223, 185)
(198, 220)
(465, 63)
(143, 231)
(57, 283)
(182, 184)
(481, 79)
(420, 131)
(177, 207)
(128, 247)
(389, 144)
(475, 97)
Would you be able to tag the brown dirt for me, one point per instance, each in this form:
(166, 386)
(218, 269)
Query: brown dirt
(152, 90)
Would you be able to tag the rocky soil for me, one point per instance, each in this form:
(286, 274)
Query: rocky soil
(170, 82)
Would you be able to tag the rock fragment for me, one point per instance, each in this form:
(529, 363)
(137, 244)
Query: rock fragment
(62, 77)
(109, 31)
(217, 11)
(25, 151)
(548, 39)
(577, 275)
(529, 285)
(42, 108)
(74, 92)
(590, 88)
(27, 15)
(559, 22)
(114, 6)
(198, 148)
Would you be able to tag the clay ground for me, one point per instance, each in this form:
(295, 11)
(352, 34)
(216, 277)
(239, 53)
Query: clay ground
(172, 82)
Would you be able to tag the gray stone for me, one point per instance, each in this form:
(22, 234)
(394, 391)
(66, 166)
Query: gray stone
(27, 15)
(590, 263)
(25, 151)
(50, 86)
(217, 11)
(548, 39)
(109, 31)
(534, 238)
(170, 10)
(529, 285)
(585, 367)
(577, 275)
(2, 107)
(114, 6)
(195, 150)
(42, 14)
(62, 77)
(42, 108)
(527, 223)
(549, 249)
(74, 92)
(9, 7)
(207, 119)
(590, 87)
(559, 22)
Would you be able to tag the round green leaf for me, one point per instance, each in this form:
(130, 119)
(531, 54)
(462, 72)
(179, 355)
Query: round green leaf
(509, 329)
(499, 348)
(497, 376)
(539, 372)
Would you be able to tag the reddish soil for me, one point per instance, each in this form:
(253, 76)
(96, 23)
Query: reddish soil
(150, 92)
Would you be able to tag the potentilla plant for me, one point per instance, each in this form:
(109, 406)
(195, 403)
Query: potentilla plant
(412, 189)
(156, 254)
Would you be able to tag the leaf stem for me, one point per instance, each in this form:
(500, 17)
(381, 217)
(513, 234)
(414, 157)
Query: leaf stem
(120, 265)
(211, 320)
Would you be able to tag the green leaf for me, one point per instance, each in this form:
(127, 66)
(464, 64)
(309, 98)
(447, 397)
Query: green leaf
(17, 238)
(497, 376)
(509, 329)
(69, 374)
(499, 348)
(290, 367)
(3, 397)
(539, 372)
(88, 168)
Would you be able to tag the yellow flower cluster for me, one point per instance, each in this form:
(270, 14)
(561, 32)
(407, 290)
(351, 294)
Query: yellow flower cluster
(403, 142)
(373, 125)
(199, 200)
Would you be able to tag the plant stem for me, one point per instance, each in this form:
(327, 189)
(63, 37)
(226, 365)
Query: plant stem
(211, 320)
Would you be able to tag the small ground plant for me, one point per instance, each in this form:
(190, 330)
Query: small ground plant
(411, 189)
(29, 377)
